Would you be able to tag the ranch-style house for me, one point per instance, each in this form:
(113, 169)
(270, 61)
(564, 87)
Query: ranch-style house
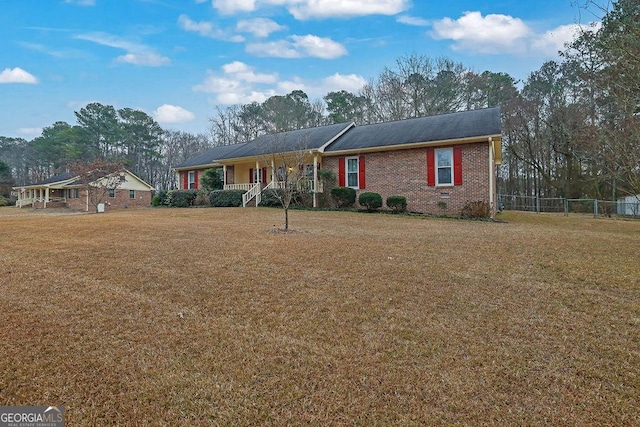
(65, 191)
(439, 163)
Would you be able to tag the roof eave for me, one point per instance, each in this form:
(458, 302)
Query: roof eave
(407, 146)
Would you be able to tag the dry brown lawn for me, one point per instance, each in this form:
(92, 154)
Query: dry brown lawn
(206, 317)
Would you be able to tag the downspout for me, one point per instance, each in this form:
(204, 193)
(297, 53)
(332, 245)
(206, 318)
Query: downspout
(492, 179)
(315, 181)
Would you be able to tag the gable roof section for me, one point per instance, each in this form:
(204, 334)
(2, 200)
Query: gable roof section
(69, 180)
(459, 125)
(290, 141)
(61, 178)
(211, 156)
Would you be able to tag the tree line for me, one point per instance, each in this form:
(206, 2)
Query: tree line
(570, 129)
(126, 136)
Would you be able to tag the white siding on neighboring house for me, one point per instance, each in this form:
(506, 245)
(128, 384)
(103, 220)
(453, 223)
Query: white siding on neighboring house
(629, 205)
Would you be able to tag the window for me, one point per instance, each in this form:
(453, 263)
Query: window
(352, 172)
(192, 180)
(444, 165)
(76, 192)
(132, 194)
(112, 192)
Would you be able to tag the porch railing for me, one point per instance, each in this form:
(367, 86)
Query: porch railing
(254, 191)
(245, 187)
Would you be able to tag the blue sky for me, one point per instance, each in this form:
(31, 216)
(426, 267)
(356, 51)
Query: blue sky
(178, 60)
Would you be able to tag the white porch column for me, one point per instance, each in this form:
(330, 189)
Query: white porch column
(315, 181)
(46, 197)
(273, 171)
(256, 173)
(224, 175)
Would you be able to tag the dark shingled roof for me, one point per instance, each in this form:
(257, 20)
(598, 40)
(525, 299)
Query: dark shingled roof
(464, 124)
(211, 156)
(56, 178)
(302, 139)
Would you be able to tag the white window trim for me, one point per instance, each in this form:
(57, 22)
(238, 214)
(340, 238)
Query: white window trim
(357, 172)
(448, 184)
(191, 180)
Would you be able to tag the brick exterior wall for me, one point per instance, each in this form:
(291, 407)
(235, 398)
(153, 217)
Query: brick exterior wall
(404, 173)
(120, 201)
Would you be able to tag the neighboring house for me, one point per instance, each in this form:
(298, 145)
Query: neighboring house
(438, 163)
(65, 191)
(629, 205)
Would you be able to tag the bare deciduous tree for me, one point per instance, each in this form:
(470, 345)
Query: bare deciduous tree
(98, 178)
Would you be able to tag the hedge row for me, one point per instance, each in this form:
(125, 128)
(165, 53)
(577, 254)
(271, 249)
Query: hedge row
(187, 198)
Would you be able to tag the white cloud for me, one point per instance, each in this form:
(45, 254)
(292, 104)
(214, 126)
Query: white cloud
(299, 47)
(412, 20)
(17, 75)
(150, 59)
(318, 9)
(555, 40)
(243, 72)
(136, 53)
(239, 83)
(33, 132)
(170, 114)
(259, 27)
(228, 7)
(207, 29)
(500, 34)
(350, 82)
(488, 34)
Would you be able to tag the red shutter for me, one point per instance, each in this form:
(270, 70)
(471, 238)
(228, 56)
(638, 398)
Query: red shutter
(195, 180)
(185, 180)
(251, 176)
(264, 175)
(431, 169)
(341, 177)
(457, 166)
(361, 171)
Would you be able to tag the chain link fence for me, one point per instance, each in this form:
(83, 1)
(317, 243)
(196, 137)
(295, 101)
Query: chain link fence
(629, 207)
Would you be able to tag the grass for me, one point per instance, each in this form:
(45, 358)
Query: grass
(205, 317)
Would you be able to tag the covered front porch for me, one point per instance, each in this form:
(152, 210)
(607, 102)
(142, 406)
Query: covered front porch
(260, 175)
(41, 197)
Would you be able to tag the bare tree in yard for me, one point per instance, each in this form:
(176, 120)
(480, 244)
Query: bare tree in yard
(286, 155)
(98, 178)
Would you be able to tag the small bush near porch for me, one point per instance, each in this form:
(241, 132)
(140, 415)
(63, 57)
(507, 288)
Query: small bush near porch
(205, 317)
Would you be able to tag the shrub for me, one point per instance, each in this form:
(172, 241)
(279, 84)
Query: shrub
(476, 209)
(397, 203)
(371, 201)
(226, 198)
(181, 198)
(344, 196)
(270, 199)
(4, 202)
(201, 199)
(159, 198)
